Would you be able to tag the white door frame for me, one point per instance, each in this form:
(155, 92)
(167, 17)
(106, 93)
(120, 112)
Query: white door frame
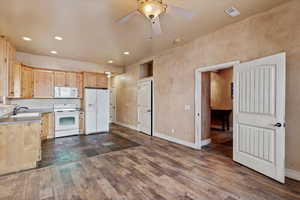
(115, 105)
(198, 92)
(152, 106)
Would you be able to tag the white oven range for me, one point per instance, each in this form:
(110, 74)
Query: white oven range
(66, 120)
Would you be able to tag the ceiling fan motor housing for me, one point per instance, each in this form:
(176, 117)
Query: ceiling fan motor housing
(151, 8)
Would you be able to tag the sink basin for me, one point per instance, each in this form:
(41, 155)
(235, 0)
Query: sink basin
(25, 115)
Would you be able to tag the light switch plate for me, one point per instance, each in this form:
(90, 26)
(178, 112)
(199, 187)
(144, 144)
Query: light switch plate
(187, 107)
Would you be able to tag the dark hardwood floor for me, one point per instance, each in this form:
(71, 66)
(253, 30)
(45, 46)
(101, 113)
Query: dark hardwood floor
(156, 170)
(221, 143)
(74, 148)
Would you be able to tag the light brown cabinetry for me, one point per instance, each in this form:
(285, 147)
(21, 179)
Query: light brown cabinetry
(81, 123)
(20, 146)
(47, 131)
(89, 79)
(95, 80)
(43, 82)
(15, 78)
(26, 82)
(79, 84)
(59, 79)
(68, 79)
(65, 79)
(71, 79)
(7, 59)
(101, 81)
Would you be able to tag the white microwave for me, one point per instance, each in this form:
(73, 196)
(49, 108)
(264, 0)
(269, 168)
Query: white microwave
(66, 92)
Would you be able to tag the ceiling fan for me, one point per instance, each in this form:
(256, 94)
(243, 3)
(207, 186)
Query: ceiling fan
(152, 9)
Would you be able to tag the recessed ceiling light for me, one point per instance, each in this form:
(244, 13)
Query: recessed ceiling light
(110, 61)
(26, 38)
(53, 52)
(58, 38)
(126, 53)
(177, 40)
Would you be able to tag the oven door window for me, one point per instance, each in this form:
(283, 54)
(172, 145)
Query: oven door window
(67, 121)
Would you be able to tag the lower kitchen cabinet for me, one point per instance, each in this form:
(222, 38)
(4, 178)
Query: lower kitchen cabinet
(20, 146)
(81, 123)
(47, 131)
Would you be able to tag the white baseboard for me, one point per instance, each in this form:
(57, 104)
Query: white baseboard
(293, 174)
(176, 140)
(126, 125)
(205, 142)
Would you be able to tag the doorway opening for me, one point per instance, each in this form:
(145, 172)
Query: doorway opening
(214, 108)
(258, 113)
(220, 107)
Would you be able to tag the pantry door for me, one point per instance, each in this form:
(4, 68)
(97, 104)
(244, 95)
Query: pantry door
(144, 99)
(259, 118)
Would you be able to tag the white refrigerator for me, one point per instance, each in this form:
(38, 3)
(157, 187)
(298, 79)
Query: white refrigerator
(96, 110)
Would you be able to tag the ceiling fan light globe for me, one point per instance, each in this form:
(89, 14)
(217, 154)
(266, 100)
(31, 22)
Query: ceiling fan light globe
(152, 8)
(148, 8)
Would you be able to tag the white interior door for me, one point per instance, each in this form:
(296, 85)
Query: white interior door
(259, 104)
(90, 111)
(144, 106)
(102, 110)
(112, 106)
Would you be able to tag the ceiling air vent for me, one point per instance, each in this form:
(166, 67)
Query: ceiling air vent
(233, 12)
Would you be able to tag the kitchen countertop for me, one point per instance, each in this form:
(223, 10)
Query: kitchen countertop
(42, 110)
(10, 120)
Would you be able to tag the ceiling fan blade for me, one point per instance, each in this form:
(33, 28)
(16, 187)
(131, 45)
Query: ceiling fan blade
(180, 11)
(156, 26)
(127, 17)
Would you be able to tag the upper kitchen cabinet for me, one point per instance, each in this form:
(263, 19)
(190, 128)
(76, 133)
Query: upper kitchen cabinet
(101, 81)
(26, 82)
(15, 81)
(71, 79)
(65, 79)
(95, 80)
(21, 82)
(89, 79)
(59, 79)
(7, 60)
(43, 84)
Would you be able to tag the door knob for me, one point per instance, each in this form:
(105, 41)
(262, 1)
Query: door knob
(278, 124)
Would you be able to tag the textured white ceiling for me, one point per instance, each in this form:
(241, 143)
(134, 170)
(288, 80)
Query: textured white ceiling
(91, 34)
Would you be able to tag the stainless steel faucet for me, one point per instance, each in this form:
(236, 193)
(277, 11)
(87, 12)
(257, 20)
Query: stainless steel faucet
(18, 108)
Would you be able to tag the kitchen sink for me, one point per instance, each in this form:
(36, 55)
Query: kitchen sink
(25, 115)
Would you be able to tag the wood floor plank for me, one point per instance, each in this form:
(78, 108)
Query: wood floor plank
(155, 170)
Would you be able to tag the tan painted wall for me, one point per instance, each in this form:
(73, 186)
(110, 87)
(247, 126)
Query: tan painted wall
(265, 34)
(126, 96)
(221, 89)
